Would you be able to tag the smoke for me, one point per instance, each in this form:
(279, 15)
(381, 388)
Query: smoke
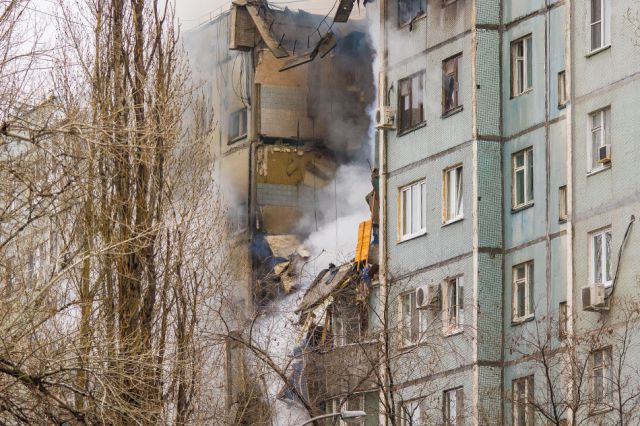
(341, 205)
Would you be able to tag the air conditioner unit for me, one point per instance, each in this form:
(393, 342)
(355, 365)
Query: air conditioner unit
(604, 154)
(384, 117)
(428, 297)
(594, 297)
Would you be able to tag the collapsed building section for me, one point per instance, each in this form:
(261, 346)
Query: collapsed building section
(290, 99)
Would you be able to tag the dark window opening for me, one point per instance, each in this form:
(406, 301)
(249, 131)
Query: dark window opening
(411, 101)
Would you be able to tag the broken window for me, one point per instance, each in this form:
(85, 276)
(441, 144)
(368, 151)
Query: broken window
(411, 102)
(454, 305)
(522, 175)
(411, 319)
(522, 304)
(599, 23)
(238, 125)
(453, 408)
(562, 89)
(521, 66)
(599, 149)
(413, 220)
(452, 187)
(408, 10)
(522, 394)
(450, 84)
(601, 257)
(601, 378)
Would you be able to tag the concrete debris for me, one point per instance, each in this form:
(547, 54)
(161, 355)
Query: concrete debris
(344, 11)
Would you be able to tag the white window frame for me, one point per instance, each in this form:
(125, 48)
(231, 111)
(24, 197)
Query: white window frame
(452, 195)
(522, 400)
(604, 262)
(562, 89)
(406, 338)
(240, 132)
(453, 414)
(404, 234)
(521, 81)
(453, 310)
(413, 413)
(604, 23)
(601, 398)
(525, 284)
(603, 127)
(529, 186)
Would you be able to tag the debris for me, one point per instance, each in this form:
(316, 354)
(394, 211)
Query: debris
(344, 10)
(326, 44)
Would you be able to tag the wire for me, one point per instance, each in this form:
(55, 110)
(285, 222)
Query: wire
(620, 251)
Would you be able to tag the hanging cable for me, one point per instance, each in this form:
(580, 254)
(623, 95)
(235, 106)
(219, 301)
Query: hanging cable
(620, 251)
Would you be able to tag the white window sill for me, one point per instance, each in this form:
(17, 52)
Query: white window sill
(598, 170)
(526, 92)
(520, 207)
(235, 139)
(411, 237)
(453, 331)
(598, 50)
(452, 221)
(521, 320)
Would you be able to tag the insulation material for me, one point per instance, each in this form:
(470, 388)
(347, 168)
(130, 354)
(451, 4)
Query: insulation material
(364, 241)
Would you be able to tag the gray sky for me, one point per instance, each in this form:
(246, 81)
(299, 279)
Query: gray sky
(194, 12)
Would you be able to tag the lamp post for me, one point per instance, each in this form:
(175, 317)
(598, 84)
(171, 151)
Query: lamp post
(344, 415)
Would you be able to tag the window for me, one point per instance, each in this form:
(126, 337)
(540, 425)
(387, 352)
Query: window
(238, 125)
(453, 409)
(412, 319)
(562, 320)
(346, 327)
(452, 196)
(413, 413)
(601, 378)
(562, 89)
(367, 402)
(411, 102)
(563, 212)
(522, 390)
(413, 221)
(454, 305)
(521, 66)
(522, 167)
(601, 257)
(523, 291)
(450, 99)
(408, 10)
(600, 23)
(599, 126)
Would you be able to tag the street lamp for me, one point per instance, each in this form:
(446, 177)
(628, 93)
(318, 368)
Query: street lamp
(344, 415)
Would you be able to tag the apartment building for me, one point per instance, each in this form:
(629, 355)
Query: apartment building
(506, 145)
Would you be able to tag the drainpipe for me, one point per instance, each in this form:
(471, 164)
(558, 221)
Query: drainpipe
(382, 220)
(570, 181)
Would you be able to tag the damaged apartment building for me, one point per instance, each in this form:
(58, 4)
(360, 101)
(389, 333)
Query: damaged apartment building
(290, 94)
(502, 212)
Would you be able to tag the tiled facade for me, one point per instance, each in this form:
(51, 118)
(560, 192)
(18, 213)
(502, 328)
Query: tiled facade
(493, 237)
